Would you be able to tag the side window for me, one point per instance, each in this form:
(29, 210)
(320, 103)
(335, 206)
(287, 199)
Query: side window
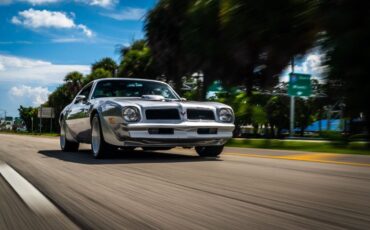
(86, 91)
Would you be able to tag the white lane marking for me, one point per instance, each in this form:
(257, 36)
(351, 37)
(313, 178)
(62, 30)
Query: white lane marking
(29, 194)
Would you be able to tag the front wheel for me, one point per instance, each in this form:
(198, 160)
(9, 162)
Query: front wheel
(65, 144)
(209, 151)
(98, 146)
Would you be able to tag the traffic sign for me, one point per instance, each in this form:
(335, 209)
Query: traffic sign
(299, 85)
(46, 112)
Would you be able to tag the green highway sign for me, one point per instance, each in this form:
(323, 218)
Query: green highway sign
(299, 85)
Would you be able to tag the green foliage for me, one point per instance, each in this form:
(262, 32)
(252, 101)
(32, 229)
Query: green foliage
(359, 137)
(137, 61)
(327, 146)
(259, 116)
(163, 31)
(97, 74)
(230, 39)
(238, 101)
(332, 135)
(191, 95)
(73, 82)
(26, 114)
(304, 113)
(107, 64)
(348, 53)
(278, 112)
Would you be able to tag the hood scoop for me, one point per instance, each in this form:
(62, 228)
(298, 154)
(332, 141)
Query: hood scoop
(153, 97)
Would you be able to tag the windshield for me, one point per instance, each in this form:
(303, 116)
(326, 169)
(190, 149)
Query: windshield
(132, 88)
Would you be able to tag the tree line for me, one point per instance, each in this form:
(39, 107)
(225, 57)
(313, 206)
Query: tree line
(247, 43)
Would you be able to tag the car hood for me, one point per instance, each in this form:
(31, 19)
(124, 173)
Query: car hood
(168, 104)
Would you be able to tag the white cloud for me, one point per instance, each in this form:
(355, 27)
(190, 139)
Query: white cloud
(25, 70)
(128, 13)
(86, 30)
(37, 95)
(66, 40)
(27, 82)
(39, 2)
(103, 3)
(312, 64)
(35, 19)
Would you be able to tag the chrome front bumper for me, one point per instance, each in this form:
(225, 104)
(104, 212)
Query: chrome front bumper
(184, 134)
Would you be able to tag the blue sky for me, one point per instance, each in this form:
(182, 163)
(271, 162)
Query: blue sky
(42, 40)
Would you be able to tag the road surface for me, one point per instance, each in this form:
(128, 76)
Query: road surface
(178, 190)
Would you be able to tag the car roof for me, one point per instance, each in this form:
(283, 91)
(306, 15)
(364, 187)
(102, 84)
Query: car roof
(130, 79)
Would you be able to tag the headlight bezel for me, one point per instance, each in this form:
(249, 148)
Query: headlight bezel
(227, 113)
(127, 112)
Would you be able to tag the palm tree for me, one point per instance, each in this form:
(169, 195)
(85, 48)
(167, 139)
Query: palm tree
(237, 41)
(73, 82)
(137, 61)
(106, 63)
(163, 30)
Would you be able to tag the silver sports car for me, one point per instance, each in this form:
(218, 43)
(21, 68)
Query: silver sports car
(128, 113)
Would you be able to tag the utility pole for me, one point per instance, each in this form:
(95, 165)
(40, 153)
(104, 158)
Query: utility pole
(292, 103)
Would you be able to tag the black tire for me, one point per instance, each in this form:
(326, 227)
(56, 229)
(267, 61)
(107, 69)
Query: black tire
(99, 147)
(209, 151)
(65, 144)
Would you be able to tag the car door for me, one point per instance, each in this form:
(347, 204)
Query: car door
(78, 118)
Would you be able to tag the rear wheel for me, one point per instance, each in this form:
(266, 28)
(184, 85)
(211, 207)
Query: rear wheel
(98, 146)
(209, 151)
(65, 144)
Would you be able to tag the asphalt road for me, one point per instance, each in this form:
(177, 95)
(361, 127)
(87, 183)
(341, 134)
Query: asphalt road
(178, 190)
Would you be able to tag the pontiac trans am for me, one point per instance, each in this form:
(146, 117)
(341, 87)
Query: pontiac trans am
(129, 113)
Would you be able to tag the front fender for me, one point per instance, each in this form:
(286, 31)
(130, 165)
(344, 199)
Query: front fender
(110, 115)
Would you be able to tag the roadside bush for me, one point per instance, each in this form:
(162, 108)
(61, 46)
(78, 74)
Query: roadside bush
(359, 137)
(332, 135)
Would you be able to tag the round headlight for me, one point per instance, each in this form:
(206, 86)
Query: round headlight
(131, 114)
(225, 115)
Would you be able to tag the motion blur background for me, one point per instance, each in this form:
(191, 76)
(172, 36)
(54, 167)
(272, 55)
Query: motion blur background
(238, 52)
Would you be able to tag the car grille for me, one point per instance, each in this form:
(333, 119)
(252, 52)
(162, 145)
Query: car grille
(200, 114)
(162, 114)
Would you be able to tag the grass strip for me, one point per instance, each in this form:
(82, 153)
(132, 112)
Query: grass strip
(327, 147)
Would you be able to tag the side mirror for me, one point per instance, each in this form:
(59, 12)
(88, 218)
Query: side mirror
(183, 99)
(80, 98)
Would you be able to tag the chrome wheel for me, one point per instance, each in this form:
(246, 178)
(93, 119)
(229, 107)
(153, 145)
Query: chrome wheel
(65, 144)
(95, 137)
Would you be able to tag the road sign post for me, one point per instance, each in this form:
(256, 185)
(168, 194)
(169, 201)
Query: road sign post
(299, 86)
(292, 118)
(46, 112)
